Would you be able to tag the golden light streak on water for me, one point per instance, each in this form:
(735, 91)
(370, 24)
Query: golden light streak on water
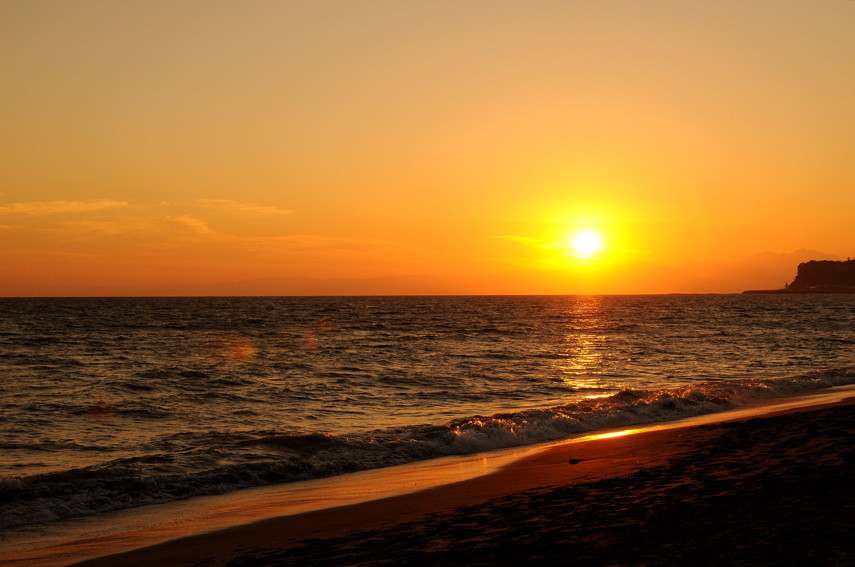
(611, 434)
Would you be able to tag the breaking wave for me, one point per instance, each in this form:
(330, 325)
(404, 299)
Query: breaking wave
(224, 462)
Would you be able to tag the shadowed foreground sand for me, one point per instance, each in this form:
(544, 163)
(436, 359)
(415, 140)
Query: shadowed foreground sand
(771, 490)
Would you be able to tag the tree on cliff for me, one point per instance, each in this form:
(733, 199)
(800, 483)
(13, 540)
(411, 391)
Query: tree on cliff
(824, 276)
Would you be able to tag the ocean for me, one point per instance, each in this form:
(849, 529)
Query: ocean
(114, 403)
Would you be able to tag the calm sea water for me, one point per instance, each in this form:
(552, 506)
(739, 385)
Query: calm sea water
(115, 403)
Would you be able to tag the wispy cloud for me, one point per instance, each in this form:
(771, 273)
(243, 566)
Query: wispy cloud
(196, 225)
(208, 230)
(531, 242)
(632, 250)
(57, 207)
(514, 238)
(313, 242)
(250, 208)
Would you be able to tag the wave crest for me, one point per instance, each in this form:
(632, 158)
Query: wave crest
(227, 462)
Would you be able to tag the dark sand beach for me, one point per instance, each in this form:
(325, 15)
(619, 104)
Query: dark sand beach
(771, 490)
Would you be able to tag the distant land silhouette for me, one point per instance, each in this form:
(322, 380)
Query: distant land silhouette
(637, 277)
(820, 276)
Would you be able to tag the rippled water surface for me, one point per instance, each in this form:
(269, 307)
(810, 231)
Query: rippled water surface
(109, 403)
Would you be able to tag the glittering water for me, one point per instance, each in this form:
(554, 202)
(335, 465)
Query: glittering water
(111, 403)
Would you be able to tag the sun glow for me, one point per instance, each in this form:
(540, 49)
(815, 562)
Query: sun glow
(586, 243)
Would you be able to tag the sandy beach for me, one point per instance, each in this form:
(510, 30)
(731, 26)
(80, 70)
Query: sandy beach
(770, 490)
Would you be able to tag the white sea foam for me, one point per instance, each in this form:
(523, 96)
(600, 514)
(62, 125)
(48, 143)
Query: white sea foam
(288, 458)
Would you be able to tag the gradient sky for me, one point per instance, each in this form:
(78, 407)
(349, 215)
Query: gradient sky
(160, 146)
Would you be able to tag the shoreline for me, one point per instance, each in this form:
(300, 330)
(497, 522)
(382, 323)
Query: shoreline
(602, 457)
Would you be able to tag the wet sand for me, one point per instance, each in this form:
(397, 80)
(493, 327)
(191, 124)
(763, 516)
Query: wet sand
(771, 490)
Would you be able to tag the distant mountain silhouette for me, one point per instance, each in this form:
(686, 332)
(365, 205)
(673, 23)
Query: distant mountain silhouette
(821, 276)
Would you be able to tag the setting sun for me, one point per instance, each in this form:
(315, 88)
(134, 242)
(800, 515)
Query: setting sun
(587, 242)
(349, 153)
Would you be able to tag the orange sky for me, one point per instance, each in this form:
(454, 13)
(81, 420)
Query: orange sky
(173, 147)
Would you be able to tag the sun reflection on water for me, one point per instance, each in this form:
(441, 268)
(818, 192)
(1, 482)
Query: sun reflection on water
(584, 346)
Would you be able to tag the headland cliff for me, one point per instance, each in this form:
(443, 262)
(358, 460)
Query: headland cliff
(820, 276)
